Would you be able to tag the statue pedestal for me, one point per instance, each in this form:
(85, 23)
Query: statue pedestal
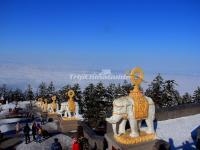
(114, 145)
(53, 115)
(68, 124)
(126, 139)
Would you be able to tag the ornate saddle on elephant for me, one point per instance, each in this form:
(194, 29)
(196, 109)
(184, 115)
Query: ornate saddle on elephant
(141, 105)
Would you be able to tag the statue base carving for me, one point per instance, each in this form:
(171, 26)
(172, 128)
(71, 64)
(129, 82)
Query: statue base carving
(69, 118)
(126, 139)
(113, 144)
(52, 113)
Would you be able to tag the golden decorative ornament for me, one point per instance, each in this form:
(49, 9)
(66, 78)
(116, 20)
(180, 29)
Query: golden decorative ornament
(53, 98)
(53, 104)
(71, 102)
(45, 106)
(136, 80)
(71, 93)
(141, 106)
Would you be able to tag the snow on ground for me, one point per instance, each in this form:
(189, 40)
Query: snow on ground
(23, 104)
(7, 128)
(46, 145)
(51, 126)
(5, 107)
(179, 129)
(4, 112)
(11, 120)
(7, 125)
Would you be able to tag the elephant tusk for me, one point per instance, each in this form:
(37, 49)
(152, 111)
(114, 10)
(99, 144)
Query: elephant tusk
(114, 113)
(118, 106)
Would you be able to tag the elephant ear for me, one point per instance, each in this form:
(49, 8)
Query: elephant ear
(150, 101)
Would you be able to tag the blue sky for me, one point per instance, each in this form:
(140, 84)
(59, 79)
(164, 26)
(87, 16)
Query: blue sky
(159, 36)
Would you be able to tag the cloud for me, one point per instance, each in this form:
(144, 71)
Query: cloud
(18, 75)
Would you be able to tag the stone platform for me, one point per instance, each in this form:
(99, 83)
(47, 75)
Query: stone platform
(67, 125)
(55, 116)
(151, 145)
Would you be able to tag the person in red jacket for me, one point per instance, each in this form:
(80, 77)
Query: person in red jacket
(75, 144)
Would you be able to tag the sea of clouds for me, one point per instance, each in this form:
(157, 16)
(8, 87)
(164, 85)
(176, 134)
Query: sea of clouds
(19, 76)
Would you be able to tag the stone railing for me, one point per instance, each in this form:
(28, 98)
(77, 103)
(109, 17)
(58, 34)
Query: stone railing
(177, 111)
(92, 137)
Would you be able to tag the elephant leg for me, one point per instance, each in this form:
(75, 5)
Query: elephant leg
(134, 127)
(122, 126)
(149, 120)
(114, 126)
(65, 114)
(69, 114)
(150, 126)
(139, 124)
(77, 111)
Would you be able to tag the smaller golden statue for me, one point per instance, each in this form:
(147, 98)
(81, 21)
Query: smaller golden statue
(141, 104)
(40, 102)
(53, 104)
(45, 107)
(71, 103)
(71, 108)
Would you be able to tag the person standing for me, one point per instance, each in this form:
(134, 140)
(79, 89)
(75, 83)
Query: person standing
(42, 120)
(34, 131)
(39, 133)
(17, 128)
(75, 144)
(198, 139)
(56, 145)
(1, 135)
(26, 133)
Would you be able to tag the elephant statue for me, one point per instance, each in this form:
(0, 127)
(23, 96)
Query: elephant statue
(75, 114)
(62, 108)
(51, 109)
(65, 109)
(39, 102)
(123, 110)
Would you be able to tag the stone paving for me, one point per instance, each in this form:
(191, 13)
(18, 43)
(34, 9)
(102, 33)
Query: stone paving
(46, 144)
(10, 143)
(17, 142)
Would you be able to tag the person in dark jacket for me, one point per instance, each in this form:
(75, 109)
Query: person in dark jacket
(39, 134)
(34, 131)
(26, 133)
(198, 139)
(1, 135)
(56, 145)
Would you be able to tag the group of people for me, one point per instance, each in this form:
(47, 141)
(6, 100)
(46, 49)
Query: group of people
(36, 132)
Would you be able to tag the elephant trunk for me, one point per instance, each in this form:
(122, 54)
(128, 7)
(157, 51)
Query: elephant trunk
(114, 119)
